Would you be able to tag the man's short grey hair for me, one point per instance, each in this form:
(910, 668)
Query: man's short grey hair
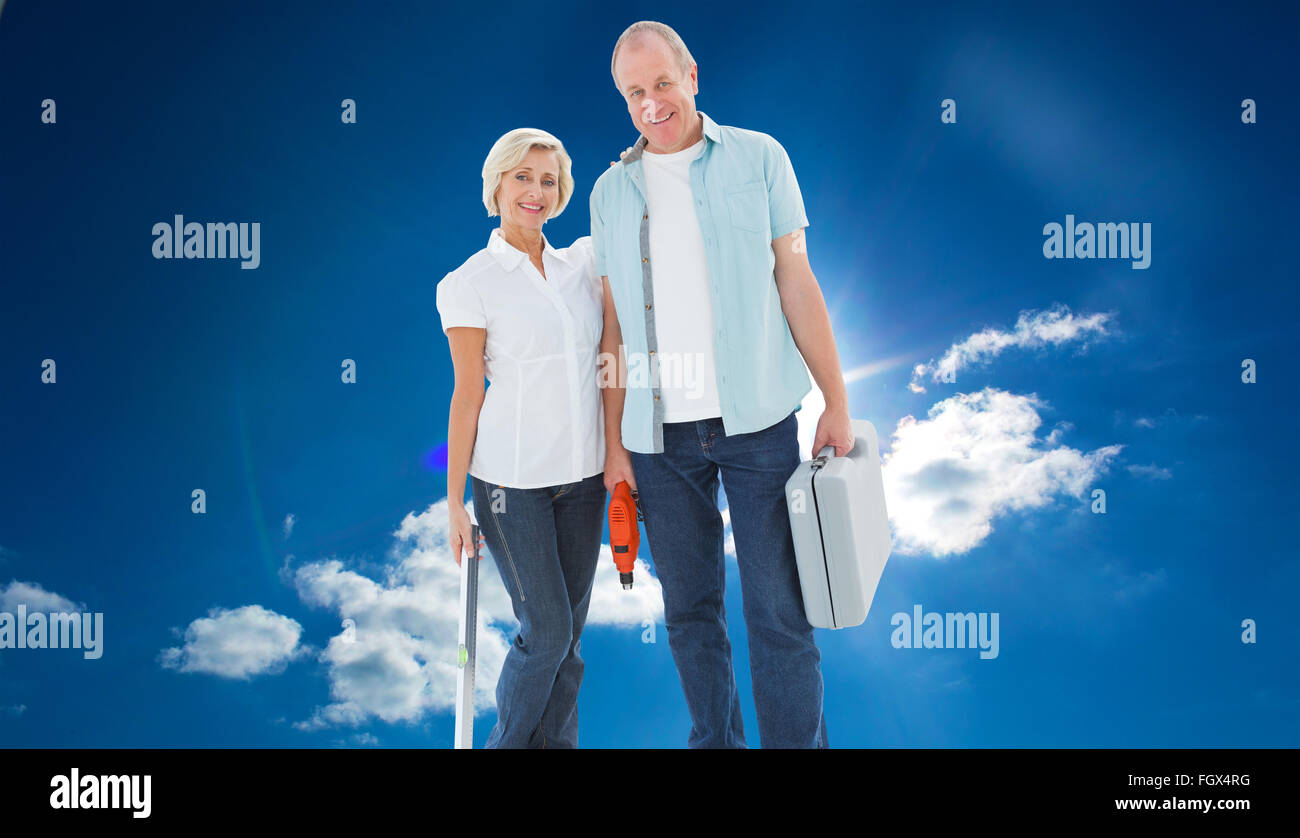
(640, 29)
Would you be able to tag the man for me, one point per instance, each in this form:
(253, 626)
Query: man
(698, 235)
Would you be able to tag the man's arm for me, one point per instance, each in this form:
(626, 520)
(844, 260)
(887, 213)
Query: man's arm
(612, 376)
(810, 326)
(613, 394)
(614, 371)
(613, 363)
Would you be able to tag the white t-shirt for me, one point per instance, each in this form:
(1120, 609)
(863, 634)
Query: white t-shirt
(541, 422)
(682, 294)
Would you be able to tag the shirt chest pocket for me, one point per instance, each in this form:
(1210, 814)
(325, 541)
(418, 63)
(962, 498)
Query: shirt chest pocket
(747, 204)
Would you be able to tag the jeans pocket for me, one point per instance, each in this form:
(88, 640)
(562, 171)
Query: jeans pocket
(773, 447)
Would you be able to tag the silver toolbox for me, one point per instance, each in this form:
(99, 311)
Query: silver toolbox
(841, 530)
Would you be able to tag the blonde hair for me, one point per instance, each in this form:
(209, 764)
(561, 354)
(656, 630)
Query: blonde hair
(509, 151)
(638, 31)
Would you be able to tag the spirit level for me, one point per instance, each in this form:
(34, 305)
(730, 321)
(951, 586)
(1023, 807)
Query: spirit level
(466, 645)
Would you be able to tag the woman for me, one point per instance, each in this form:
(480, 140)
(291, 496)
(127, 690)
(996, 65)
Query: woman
(529, 318)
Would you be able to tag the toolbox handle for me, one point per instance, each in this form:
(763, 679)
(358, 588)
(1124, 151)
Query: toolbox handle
(820, 460)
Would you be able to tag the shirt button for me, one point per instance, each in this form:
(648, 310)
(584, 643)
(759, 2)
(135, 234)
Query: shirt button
(647, 215)
(647, 306)
(656, 398)
(643, 259)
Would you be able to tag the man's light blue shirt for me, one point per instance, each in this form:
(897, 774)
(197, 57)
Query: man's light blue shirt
(745, 196)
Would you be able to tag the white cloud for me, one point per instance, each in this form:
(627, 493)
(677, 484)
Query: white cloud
(399, 660)
(1033, 330)
(288, 524)
(1061, 429)
(613, 606)
(976, 457)
(237, 643)
(35, 598)
(1153, 472)
(728, 537)
(1171, 415)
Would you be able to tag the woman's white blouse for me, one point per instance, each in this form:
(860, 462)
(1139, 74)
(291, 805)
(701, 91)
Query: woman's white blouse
(541, 421)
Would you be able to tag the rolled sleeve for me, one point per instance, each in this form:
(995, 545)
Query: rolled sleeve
(459, 304)
(784, 200)
(597, 235)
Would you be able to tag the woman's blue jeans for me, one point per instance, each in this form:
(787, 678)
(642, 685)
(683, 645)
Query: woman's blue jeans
(679, 500)
(546, 543)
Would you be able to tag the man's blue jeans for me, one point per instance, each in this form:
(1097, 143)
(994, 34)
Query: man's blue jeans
(679, 500)
(546, 543)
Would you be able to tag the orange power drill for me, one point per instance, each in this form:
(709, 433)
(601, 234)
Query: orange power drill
(624, 537)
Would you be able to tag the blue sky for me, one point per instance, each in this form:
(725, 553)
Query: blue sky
(1122, 629)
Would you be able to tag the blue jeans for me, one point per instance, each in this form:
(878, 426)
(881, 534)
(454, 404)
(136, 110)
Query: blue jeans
(546, 543)
(679, 500)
